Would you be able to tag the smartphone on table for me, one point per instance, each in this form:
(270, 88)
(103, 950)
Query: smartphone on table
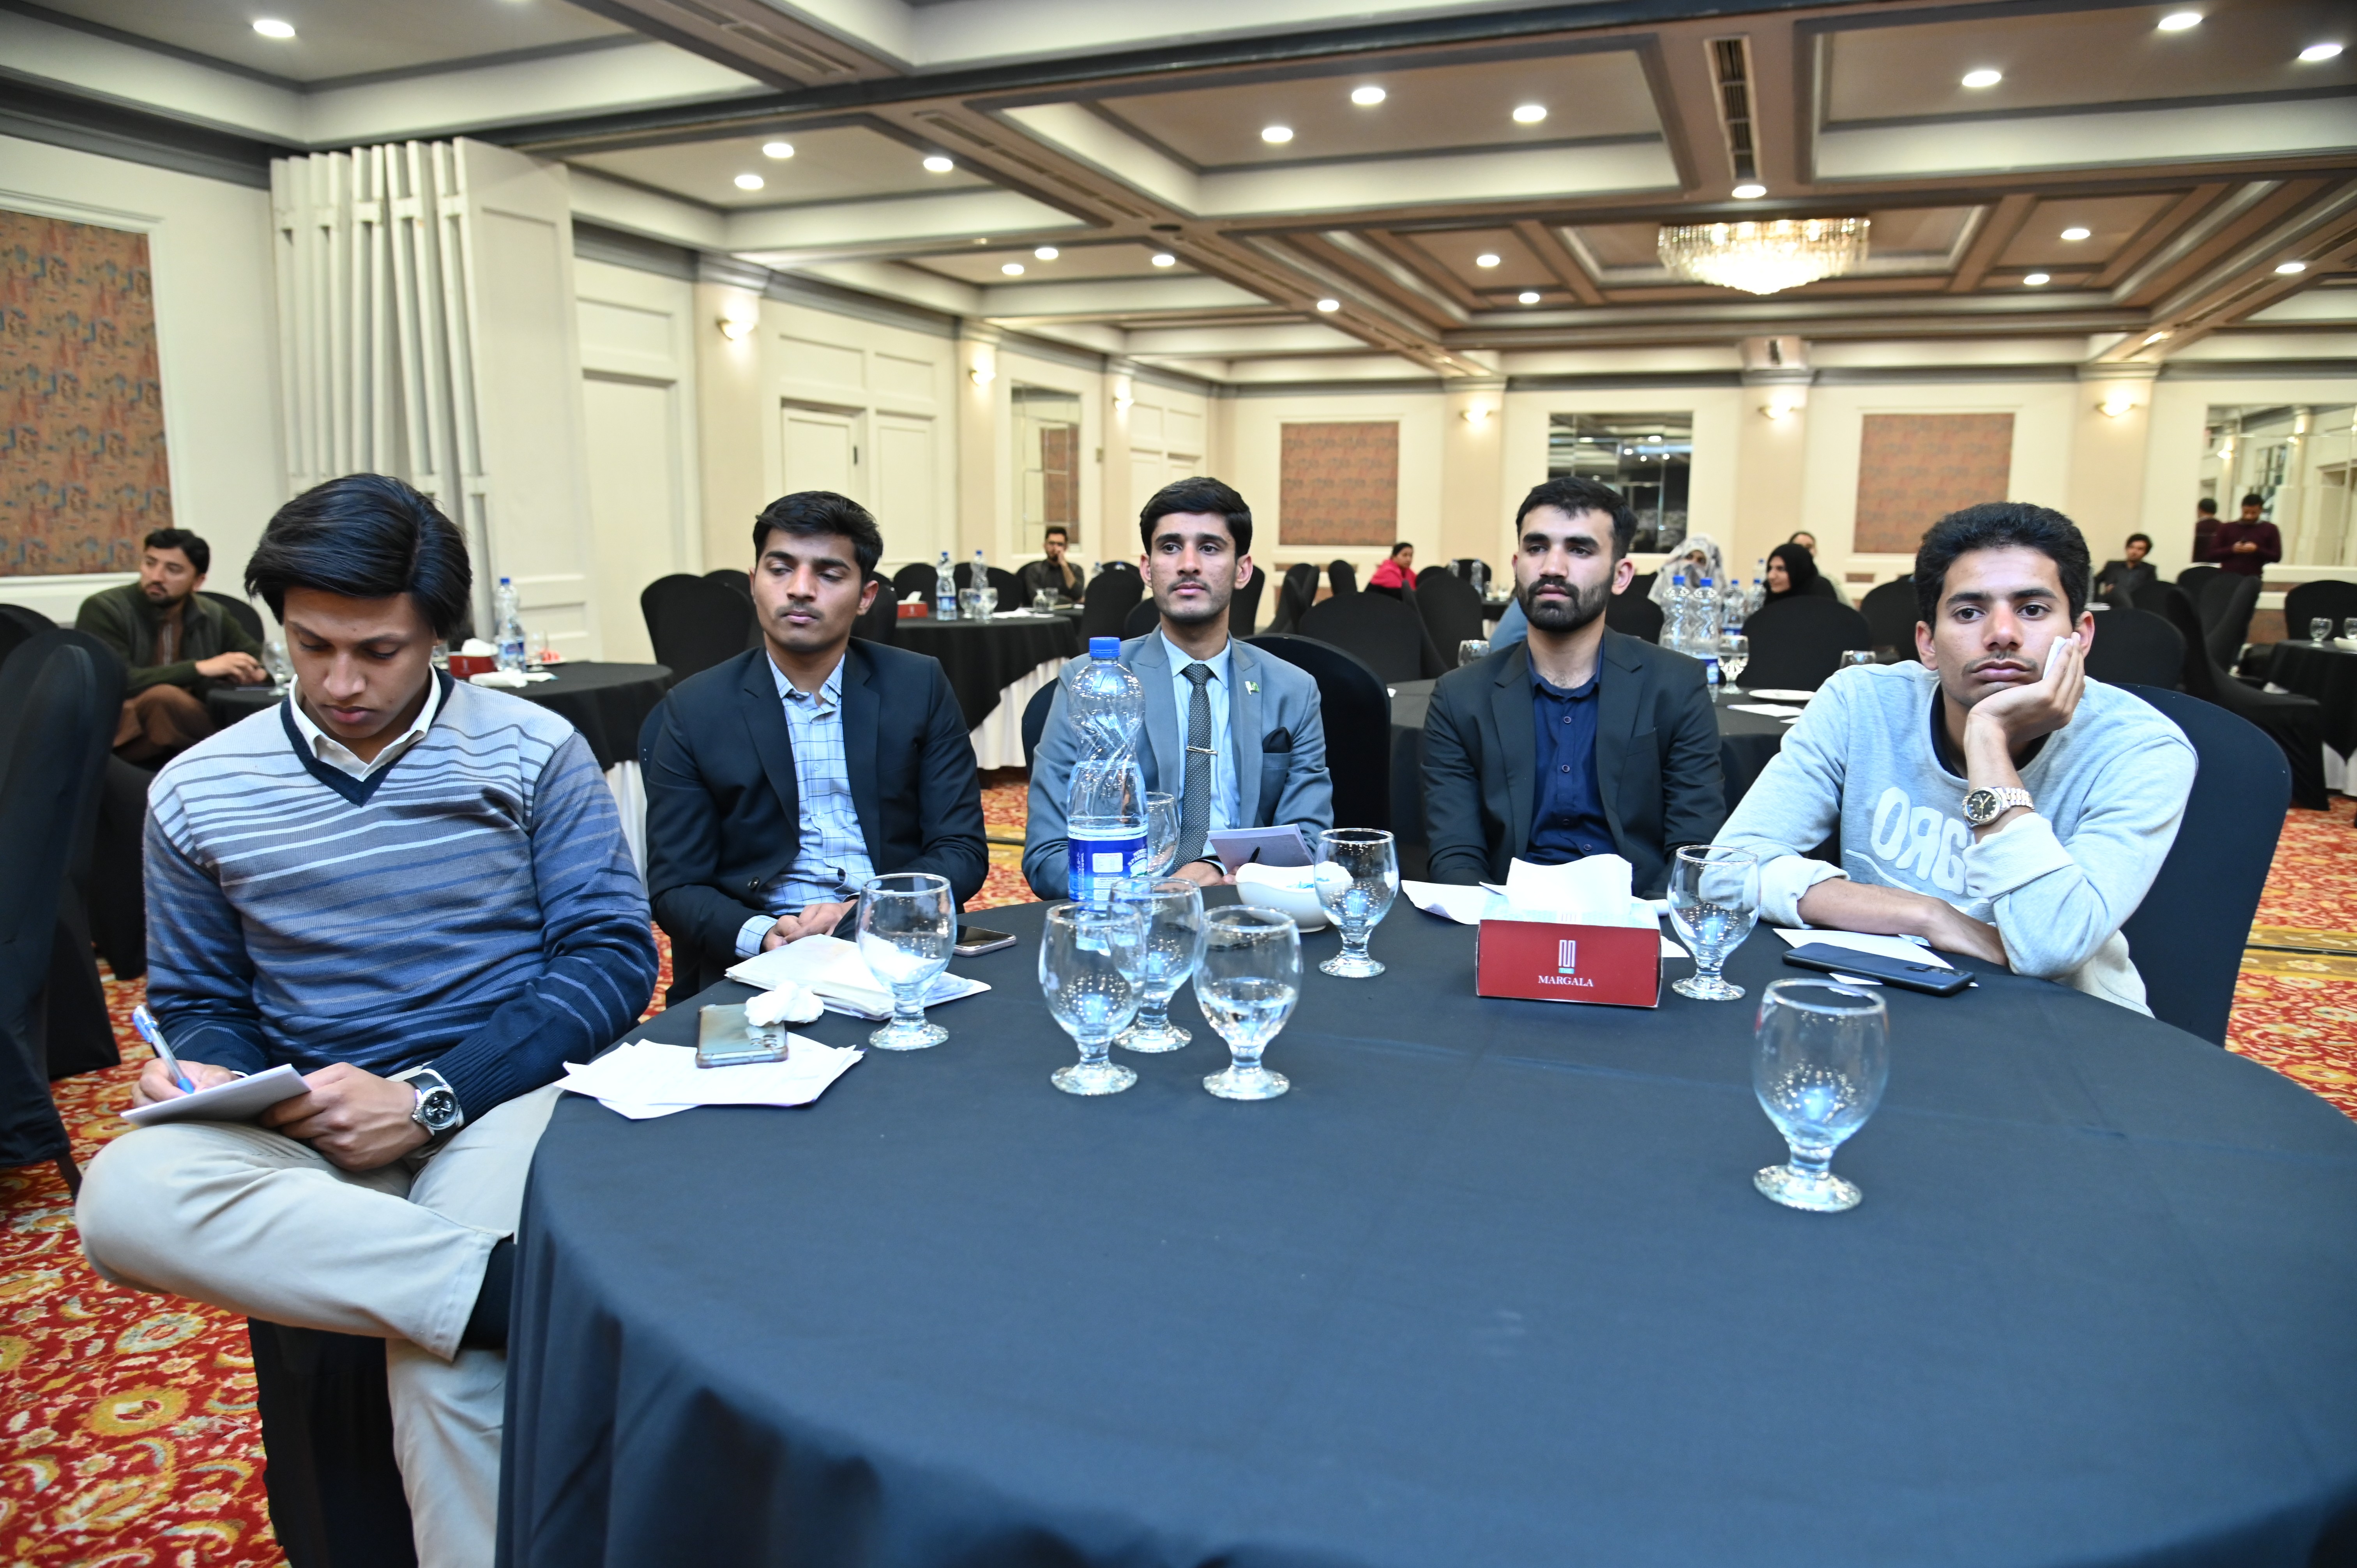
(973, 939)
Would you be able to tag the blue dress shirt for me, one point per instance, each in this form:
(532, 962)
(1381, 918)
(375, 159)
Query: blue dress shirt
(831, 853)
(1567, 821)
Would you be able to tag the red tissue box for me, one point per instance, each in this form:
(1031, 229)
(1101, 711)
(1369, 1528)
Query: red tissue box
(1545, 961)
(912, 610)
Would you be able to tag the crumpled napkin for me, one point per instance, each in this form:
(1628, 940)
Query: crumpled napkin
(789, 1004)
(510, 680)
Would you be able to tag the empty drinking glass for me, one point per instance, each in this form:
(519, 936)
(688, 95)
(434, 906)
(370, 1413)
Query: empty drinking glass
(1161, 834)
(1170, 945)
(1734, 653)
(1820, 1058)
(1247, 984)
(1714, 903)
(1358, 878)
(2349, 628)
(1089, 971)
(281, 668)
(1857, 656)
(1472, 651)
(907, 922)
(2320, 629)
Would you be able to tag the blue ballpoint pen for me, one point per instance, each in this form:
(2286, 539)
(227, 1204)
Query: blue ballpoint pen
(144, 1022)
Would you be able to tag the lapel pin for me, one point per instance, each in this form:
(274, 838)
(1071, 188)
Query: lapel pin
(1252, 686)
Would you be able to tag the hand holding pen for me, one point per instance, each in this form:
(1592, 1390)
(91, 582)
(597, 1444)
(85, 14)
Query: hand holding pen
(144, 1022)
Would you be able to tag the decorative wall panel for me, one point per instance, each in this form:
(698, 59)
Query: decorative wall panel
(1915, 468)
(1339, 484)
(83, 475)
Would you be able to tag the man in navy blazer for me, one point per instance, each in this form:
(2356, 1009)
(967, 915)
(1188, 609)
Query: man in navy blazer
(779, 782)
(1580, 740)
(1234, 736)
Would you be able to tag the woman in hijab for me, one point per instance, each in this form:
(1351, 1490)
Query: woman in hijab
(1792, 574)
(1697, 557)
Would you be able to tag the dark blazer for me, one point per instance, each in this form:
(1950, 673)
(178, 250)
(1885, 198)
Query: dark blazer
(2119, 581)
(1656, 762)
(723, 816)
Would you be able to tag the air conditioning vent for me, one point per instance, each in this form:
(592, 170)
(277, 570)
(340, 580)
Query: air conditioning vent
(1730, 60)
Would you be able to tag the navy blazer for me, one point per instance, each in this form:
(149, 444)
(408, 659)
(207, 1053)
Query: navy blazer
(724, 815)
(1656, 762)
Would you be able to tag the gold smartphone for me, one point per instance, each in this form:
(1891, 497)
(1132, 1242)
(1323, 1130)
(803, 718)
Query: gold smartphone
(723, 1038)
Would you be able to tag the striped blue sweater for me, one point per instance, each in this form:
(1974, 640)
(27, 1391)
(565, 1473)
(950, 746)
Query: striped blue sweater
(472, 907)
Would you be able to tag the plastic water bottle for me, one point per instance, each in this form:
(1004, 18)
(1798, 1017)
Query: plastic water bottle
(1705, 620)
(1734, 606)
(1675, 633)
(945, 591)
(508, 616)
(979, 587)
(1104, 807)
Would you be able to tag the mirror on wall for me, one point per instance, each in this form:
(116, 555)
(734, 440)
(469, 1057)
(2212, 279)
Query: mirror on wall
(1046, 460)
(2297, 459)
(1645, 456)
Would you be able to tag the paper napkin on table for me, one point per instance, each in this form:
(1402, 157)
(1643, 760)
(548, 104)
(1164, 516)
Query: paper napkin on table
(1768, 710)
(834, 968)
(789, 1004)
(643, 1079)
(510, 680)
(1448, 900)
(1593, 891)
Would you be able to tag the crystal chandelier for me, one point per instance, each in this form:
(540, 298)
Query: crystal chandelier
(1763, 258)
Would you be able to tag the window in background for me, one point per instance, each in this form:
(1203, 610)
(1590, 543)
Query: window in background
(2298, 459)
(1645, 456)
(1046, 460)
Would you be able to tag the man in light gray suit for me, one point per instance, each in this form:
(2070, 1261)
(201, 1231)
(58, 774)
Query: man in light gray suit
(1233, 734)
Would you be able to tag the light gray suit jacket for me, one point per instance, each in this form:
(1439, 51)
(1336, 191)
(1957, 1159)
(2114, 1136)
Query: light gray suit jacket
(1274, 727)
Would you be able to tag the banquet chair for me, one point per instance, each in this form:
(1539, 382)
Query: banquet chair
(917, 581)
(880, 622)
(1632, 614)
(1451, 611)
(2296, 724)
(1382, 632)
(1295, 594)
(2136, 646)
(1243, 610)
(1035, 720)
(2225, 605)
(335, 1491)
(696, 623)
(1107, 600)
(238, 610)
(1891, 615)
(740, 580)
(1797, 644)
(1010, 587)
(2329, 597)
(1144, 616)
(2185, 938)
(1355, 710)
(2192, 578)
(1342, 578)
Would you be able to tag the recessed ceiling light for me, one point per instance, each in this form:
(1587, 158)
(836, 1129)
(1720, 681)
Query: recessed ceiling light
(1751, 192)
(2288, 268)
(1329, 305)
(1486, 259)
(1165, 259)
(1047, 252)
(1012, 269)
(2037, 280)
(1368, 97)
(777, 149)
(1528, 296)
(749, 182)
(2320, 51)
(939, 164)
(2178, 21)
(1983, 78)
(2075, 232)
(271, 27)
(1529, 114)
(1275, 135)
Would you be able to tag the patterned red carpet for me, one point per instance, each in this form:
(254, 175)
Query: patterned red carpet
(129, 1427)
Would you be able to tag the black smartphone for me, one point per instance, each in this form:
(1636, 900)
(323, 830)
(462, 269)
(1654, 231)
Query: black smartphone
(1925, 977)
(973, 939)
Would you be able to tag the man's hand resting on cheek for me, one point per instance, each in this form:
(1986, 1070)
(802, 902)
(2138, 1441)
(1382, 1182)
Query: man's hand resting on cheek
(358, 1119)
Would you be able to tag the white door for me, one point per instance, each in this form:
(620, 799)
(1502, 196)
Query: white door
(905, 497)
(821, 451)
(637, 530)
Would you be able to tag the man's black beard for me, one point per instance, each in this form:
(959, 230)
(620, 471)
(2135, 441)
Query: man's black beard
(1558, 617)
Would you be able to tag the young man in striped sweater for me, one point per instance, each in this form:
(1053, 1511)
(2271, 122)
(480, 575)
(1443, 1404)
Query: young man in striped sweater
(415, 891)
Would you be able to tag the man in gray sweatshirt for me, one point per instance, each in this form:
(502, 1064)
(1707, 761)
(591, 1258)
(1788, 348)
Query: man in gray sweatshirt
(1992, 799)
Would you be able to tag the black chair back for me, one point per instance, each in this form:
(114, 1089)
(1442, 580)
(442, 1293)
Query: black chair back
(2334, 600)
(2296, 724)
(1380, 631)
(2186, 938)
(1356, 711)
(1243, 610)
(19, 626)
(2192, 578)
(1106, 602)
(238, 610)
(1009, 587)
(2137, 646)
(1797, 643)
(2227, 601)
(1295, 594)
(1343, 577)
(2153, 596)
(918, 580)
(1633, 615)
(1144, 616)
(1641, 586)
(1034, 719)
(696, 623)
(1450, 608)
(880, 622)
(740, 580)
(1891, 614)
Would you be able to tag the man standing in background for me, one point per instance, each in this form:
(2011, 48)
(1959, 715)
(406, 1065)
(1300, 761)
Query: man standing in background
(2247, 546)
(2205, 527)
(177, 644)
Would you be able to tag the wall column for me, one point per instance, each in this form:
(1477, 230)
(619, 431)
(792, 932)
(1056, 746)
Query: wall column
(730, 406)
(981, 447)
(1472, 470)
(2110, 430)
(1770, 453)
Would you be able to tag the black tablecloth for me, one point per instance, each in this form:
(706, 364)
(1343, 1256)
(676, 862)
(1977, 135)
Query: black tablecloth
(2330, 675)
(1491, 1286)
(984, 657)
(606, 702)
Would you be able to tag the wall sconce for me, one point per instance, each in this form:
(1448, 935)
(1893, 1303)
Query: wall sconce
(1478, 415)
(1121, 402)
(983, 375)
(737, 329)
(1779, 410)
(2114, 406)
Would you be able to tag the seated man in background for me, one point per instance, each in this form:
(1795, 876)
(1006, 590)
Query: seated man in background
(1056, 575)
(1235, 735)
(177, 644)
(779, 782)
(2248, 545)
(417, 893)
(2117, 583)
(1991, 799)
(1578, 740)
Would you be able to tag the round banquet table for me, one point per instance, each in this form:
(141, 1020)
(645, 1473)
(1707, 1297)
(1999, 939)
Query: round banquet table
(984, 657)
(2329, 674)
(1490, 1285)
(606, 702)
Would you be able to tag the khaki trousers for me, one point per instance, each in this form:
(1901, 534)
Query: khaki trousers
(159, 722)
(257, 1224)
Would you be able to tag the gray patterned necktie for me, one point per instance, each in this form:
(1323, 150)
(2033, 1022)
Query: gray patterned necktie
(1195, 794)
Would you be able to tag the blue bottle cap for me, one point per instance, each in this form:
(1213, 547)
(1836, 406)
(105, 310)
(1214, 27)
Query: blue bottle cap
(1104, 648)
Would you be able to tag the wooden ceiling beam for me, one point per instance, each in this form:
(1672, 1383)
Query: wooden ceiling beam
(2005, 222)
(1556, 257)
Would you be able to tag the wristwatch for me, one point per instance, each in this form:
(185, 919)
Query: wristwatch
(1983, 807)
(437, 1104)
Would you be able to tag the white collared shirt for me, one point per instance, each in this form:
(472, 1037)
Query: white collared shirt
(1224, 758)
(342, 758)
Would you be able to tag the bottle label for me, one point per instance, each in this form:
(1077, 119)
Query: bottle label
(1102, 857)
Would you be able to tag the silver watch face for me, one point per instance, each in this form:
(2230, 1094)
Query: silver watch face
(438, 1110)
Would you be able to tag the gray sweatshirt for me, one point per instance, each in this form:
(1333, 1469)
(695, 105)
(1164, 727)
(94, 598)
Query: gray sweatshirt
(2057, 882)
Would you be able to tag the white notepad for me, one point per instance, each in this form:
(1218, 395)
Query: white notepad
(239, 1101)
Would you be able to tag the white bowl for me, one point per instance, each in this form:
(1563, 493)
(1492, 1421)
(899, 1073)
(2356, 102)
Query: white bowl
(1288, 891)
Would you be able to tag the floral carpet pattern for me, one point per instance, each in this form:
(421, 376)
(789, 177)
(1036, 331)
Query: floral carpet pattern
(131, 1438)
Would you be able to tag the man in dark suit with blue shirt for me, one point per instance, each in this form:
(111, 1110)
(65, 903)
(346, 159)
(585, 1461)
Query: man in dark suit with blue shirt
(779, 782)
(1234, 736)
(1581, 740)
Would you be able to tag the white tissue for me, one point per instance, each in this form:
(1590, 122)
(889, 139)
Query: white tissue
(475, 647)
(1595, 891)
(789, 1004)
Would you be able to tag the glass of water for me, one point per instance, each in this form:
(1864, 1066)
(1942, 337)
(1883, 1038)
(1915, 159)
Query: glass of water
(2349, 628)
(1819, 1060)
(1089, 971)
(1734, 653)
(1857, 656)
(1472, 651)
(281, 668)
(1714, 903)
(2320, 629)
(1170, 945)
(1247, 982)
(1161, 834)
(907, 922)
(1358, 878)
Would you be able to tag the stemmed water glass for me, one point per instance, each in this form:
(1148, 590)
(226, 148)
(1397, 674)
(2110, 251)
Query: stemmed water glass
(907, 922)
(1472, 651)
(1171, 944)
(1819, 1061)
(2349, 628)
(1714, 903)
(2319, 630)
(1089, 972)
(1734, 653)
(1247, 984)
(1161, 834)
(1358, 878)
(281, 668)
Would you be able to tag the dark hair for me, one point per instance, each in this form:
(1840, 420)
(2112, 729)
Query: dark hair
(1999, 525)
(365, 536)
(2205, 504)
(199, 554)
(1800, 569)
(2145, 539)
(1198, 494)
(809, 514)
(2254, 500)
(1053, 529)
(1571, 495)
(1403, 544)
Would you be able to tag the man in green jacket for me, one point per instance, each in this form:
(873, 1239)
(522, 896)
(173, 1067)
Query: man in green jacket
(177, 644)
